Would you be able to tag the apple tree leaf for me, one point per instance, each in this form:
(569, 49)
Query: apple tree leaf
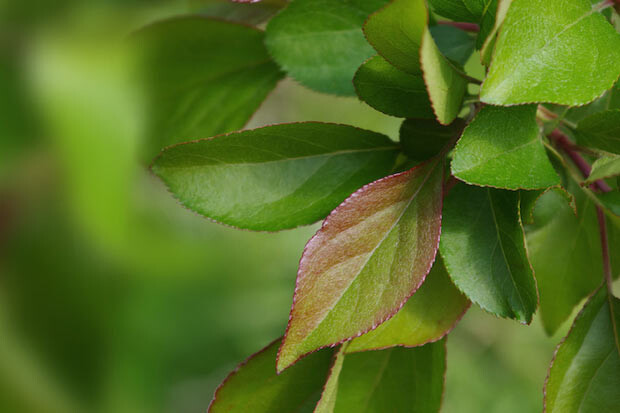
(421, 139)
(605, 167)
(600, 131)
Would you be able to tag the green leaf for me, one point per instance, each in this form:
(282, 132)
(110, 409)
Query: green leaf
(275, 177)
(483, 247)
(320, 43)
(234, 78)
(255, 387)
(529, 199)
(486, 51)
(446, 87)
(565, 252)
(393, 380)
(502, 148)
(600, 131)
(585, 373)
(250, 12)
(610, 201)
(605, 167)
(396, 30)
(371, 254)
(421, 139)
(455, 44)
(427, 316)
(392, 91)
(460, 10)
(550, 51)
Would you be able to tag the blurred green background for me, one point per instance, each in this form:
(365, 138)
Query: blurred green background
(114, 298)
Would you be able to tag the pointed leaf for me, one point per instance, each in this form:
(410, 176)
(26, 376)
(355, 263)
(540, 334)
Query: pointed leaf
(422, 139)
(370, 255)
(427, 316)
(564, 250)
(483, 247)
(585, 372)
(392, 91)
(275, 177)
(396, 30)
(600, 131)
(605, 167)
(234, 78)
(393, 380)
(502, 148)
(255, 387)
(320, 43)
(550, 51)
(446, 87)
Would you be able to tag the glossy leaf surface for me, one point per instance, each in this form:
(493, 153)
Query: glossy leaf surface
(320, 43)
(550, 51)
(585, 373)
(255, 387)
(483, 247)
(234, 78)
(392, 91)
(502, 148)
(427, 316)
(275, 177)
(565, 252)
(370, 255)
(393, 380)
(422, 139)
(600, 131)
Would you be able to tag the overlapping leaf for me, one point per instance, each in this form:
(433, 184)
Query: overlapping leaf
(250, 12)
(585, 373)
(483, 247)
(481, 12)
(502, 148)
(320, 43)
(393, 380)
(371, 254)
(234, 78)
(455, 44)
(426, 317)
(255, 387)
(421, 139)
(600, 131)
(550, 51)
(275, 177)
(392, 91)
(605, 167)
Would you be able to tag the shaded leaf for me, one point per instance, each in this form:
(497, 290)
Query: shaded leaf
(370, 255)
(486, 51)
(392, 91)
(455, 44)
(600, 131)
(502, 148)
(585, 373)
(234, 78)
(550, 51)
(605, 167)
(250, 12)
(529, 199)
(255, 387)
(275, 177)
(421, 139)
(460, 10)
(427, 316)
(393, 380)
(327, 403)
(610, 201)
(320, 43)
(483, 247)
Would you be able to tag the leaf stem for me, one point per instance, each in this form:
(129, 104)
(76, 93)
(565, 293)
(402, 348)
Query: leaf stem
(600, 215)
(468, 27)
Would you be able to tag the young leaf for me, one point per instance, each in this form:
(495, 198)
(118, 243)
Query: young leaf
(565, 252)
(483, 247)
(550, 51)
(320, 43)
(393, 380)
(446, 87)
(426, 317)
(275, 177)
(371, 254)
(422, 139)
(502, 148)
(396, 30)
(600, 131)
(255, 387)
(234, 78)
(585, 373)
(392, 91)
(453, 43)
(605, 167)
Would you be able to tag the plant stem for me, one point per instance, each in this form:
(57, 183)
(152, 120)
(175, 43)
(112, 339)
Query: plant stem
(605, 247)
(468, 27)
